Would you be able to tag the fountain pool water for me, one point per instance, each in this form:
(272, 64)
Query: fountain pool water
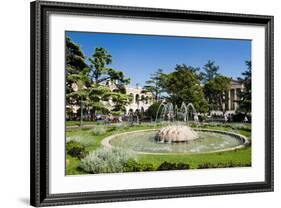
(143, 142)
(176, 136)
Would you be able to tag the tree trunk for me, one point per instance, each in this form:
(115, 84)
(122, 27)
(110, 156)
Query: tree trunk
(81, 112)
(93, 114)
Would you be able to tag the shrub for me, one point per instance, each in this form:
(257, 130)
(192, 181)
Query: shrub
(222, 165)
(75, 149)
(106, 160)
(239, 117)
(152, 110)
(202, 118)
(206, 165)
(147, 167)
(182, 166)
(98, 130)
(173, 166)
(134, 166)
(83, 140)
(167, 166)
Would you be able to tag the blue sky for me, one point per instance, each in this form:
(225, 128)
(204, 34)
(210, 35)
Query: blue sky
(138, 56)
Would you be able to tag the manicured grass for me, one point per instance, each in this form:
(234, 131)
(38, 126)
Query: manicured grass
(91, 138)
(239, 157)
(72, 166)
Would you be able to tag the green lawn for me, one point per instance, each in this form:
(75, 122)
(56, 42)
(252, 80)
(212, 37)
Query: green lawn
(238, 157)
(91, 138)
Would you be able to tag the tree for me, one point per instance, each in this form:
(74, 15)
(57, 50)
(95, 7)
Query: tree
(194, 70)
(75, 58)
(80, 92)
(120, 100)
(245, 102)
(154, 85)
(76, 75)
(183, 85)
(86, 85)
(215, 92)
(99, 96)
(101, 73)
(211, 71)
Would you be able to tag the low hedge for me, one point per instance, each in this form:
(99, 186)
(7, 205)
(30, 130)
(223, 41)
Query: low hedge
(76, 149)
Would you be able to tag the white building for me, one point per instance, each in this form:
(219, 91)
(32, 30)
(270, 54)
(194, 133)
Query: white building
(232, 98)
(141, 100)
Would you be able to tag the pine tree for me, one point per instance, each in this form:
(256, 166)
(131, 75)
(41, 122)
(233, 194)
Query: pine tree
(245, 102)
(211, 71)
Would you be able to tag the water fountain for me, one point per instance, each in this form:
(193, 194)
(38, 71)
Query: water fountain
(172, 133)
(177, 130)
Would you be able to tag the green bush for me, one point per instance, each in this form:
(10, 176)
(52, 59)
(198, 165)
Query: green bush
(75, 149)
(239, 117)
(173, 166)
(106, 160)
(98, 130)
(182, 166)
(152, 110)
(202, 118)
(134, 166)
(222, 165)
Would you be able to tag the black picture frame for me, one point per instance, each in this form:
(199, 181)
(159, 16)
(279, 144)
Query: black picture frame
(40, 11)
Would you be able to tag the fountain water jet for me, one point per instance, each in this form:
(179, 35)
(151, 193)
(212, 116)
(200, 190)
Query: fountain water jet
(175, 132)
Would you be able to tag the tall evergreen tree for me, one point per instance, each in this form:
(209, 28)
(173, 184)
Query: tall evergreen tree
(245, 102)
(210, 71)
(76, 76)
(153, 85)
(101, 73)
(80, 93)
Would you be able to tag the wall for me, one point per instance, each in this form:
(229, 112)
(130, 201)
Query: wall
(14, 104)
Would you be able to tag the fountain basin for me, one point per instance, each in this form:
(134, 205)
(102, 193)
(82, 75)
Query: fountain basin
(209, 141)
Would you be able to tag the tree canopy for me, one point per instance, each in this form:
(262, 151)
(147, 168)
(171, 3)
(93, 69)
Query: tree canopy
(183, 85)
(87, 85)
(210, 71)
(215, 91)
(245, 102)
(100, 72)
(153, 85)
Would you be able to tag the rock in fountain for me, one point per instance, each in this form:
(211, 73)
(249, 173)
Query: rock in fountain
(176, 133)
